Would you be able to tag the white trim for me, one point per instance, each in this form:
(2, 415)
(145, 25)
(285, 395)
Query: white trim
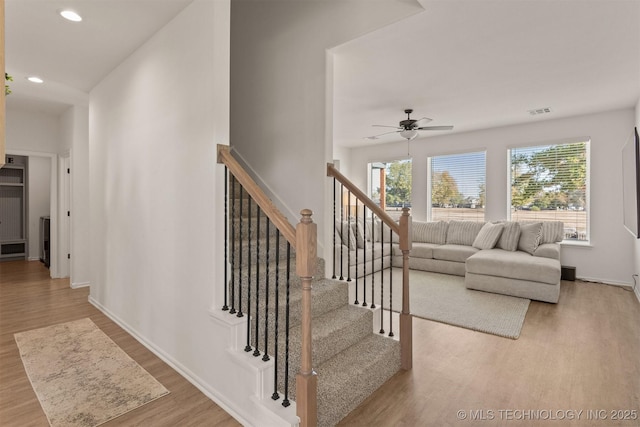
(53, 204)
(607, 282)
(201, 385)
(77, 285)
(33, 258)
(576, 140)
(637, 292)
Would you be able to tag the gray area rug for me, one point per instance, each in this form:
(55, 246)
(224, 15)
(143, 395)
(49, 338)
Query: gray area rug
(81, 377)
(445, 299)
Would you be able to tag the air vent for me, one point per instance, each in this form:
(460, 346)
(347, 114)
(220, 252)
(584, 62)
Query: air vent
(539, 111)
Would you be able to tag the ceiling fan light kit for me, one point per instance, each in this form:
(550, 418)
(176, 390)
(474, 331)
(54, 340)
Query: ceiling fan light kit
(409, 128)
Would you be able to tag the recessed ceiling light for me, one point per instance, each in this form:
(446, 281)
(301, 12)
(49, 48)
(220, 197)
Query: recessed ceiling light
(70, 15)
(34, 79)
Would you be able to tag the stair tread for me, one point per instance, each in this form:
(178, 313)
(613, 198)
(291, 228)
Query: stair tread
(335, 331)
(348, 378)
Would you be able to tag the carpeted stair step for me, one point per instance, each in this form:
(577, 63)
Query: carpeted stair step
(347, 379)
(247, 211)
(332, 333)
(258, 248)
(247, 224)
(327, 295)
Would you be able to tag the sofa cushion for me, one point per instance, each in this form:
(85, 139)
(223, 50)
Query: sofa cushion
(552, 231)
(488, 236)
(530, 235)
(382, 231)
(509, 237)
(514, 265)
(346, 234)
(457, 253)
(463, 232)
(423, 250)
(430, 232)
(548, 250)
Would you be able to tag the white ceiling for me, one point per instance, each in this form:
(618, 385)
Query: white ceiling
(469, 63)
(480, 64)
(73, 57)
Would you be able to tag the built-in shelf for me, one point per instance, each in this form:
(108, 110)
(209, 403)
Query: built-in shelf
(13, 208)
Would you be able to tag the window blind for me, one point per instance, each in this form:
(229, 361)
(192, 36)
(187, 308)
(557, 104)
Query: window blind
(457, 186)
(550, 183)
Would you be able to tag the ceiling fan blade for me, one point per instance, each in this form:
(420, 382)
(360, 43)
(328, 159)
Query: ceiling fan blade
(385, 126)
(421, 122)
(435, 128)
(380, 134)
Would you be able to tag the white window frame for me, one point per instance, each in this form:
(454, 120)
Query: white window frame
(430, 184)
(587, 141)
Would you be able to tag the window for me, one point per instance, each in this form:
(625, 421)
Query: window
(550, 183)
(457, 186)
(395, 180)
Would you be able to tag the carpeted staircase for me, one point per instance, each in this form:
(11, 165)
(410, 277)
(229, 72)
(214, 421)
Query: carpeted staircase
(350, 360)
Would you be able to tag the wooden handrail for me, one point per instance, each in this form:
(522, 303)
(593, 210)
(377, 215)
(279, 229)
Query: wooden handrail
(267, 206)
(333, 172)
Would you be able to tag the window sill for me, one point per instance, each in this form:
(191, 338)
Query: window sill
(577, 244)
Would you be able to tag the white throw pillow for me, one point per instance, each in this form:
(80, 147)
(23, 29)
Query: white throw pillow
(530, 236)
(510, 236)
(488, 236)
(430, 232)
(463, 232)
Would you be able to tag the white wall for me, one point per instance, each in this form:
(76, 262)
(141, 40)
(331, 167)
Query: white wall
(39, 200)
(281, 90)
(74, 129)
(32, 131)
(609, 258)
(156, 197)
(37, 135)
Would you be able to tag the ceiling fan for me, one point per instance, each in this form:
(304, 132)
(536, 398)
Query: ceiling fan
(409, 128)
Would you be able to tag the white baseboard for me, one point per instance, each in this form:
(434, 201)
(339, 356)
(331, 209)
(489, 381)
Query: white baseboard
(76, 285)
(637, 292)
(33, 258)
(201, 385)
(605, 281)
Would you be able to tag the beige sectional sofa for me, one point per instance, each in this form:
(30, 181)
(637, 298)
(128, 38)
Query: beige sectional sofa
(513, 258)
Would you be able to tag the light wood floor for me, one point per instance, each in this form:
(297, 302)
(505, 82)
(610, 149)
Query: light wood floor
(29, 299)
(581, 354)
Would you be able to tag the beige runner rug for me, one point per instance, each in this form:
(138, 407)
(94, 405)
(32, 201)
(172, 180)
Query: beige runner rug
(81, 377)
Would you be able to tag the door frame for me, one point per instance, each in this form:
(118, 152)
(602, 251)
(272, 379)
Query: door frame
(53, 208)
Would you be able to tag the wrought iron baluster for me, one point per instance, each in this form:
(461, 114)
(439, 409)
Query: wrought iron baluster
(256, 352)
(382, 281)
(275, 395)
(390, 290)
(240, 314)
(364, 266)
(225, 307)
(342, 231)
(233, 246)
(356, 301)
(373, 256)
(265, 357)
(349, 238)
(247, 347)
(286, 402)
(334, 229)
